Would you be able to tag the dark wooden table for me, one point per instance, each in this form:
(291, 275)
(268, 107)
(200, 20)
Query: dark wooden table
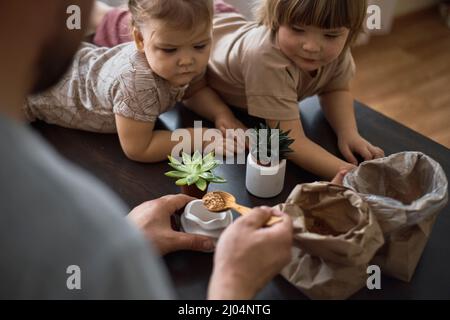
(101, 155)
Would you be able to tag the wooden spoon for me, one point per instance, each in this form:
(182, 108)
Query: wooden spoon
(218, 201)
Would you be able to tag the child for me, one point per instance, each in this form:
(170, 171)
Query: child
(125, 88)
(295, 49)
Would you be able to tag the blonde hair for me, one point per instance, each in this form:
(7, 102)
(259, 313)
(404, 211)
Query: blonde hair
(180, 14)
(326, 14)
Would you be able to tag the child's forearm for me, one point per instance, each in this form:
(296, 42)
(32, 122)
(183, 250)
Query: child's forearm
(308, 154)
(140, 142)
(338, 109)
(157, 150)
(161, 145)
(207, 103)
(313, 158)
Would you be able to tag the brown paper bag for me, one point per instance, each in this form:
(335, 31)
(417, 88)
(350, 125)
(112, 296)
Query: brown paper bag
(322, 279)
(400, 255)
(335, 236)
(405, 192)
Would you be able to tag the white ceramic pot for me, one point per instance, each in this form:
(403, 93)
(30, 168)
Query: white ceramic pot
(264, 182)
(197, 219)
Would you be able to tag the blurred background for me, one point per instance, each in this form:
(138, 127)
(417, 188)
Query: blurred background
(403, 70)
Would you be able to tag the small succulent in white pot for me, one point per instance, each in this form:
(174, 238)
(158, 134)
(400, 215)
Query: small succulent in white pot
(265, 179)
(195, 173)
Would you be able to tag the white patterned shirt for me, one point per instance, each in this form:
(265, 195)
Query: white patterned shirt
(103, 82)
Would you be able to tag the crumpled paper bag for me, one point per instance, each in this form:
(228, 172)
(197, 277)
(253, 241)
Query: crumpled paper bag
(405, 192)
(335, 236)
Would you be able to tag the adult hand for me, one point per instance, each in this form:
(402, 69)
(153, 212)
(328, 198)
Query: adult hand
(153, 218)
(248, 255)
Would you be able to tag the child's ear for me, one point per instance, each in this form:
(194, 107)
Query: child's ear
(138, 39)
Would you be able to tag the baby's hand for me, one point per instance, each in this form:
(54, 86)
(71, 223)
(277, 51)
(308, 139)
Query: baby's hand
(223, 146)
(224, 122)
(354, 143)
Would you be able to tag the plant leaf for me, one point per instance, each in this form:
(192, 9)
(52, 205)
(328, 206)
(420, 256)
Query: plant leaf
(181, 182)
(191, 179)
(209, 166)
(209, 157)
(186, 158)
(197, 157)
(207, 176)
(176, 174)
(173, 160)
(217, 179)
(208, 163)
(180, 167)
(265, 144)
(201, 184)
(198, 168)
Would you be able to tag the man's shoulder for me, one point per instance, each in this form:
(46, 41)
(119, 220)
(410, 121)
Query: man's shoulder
(31, 165)
(54, 215)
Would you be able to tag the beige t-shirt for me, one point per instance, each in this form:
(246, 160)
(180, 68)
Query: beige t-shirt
(248, 70)
(103, 82)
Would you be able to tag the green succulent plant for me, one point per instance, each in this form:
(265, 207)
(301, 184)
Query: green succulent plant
(284, 142)
(196, 170)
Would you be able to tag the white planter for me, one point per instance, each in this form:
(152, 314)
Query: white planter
(264, 182)
(197, 219)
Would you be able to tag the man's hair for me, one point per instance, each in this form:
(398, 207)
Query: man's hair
(326, 14)
(179, 14)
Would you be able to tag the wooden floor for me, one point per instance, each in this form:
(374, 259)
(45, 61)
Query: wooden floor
(406, 74)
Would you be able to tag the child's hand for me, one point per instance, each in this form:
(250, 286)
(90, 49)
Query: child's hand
(224, 122)
(339, 178)
(354, 143)
(224, 145)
